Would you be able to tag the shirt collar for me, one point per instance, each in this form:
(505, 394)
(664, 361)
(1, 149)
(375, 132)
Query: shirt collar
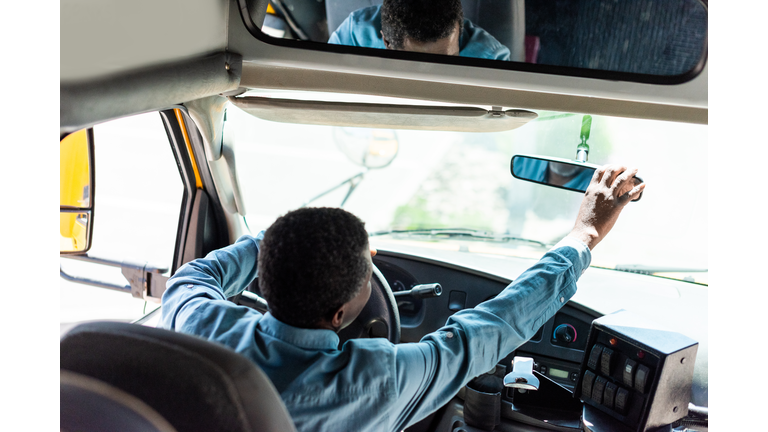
(303, 338)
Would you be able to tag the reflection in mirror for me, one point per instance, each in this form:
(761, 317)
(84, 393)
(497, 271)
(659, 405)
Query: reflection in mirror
(563, 174)
(74, 171)
(666, 38)
(73, 229)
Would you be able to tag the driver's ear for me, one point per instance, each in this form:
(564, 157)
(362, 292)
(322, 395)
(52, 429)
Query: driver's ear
(386, 42)
(338, 318)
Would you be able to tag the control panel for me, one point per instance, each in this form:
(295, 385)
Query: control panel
(635, 374)
(569, 332)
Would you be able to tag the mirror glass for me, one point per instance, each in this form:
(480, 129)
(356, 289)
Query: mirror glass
(74, 171)
(73, 228)
(645, 37)
(563, 174)
(75, 191)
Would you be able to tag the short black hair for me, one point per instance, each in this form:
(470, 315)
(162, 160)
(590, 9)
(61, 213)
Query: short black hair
(422, 20)
(311, 262)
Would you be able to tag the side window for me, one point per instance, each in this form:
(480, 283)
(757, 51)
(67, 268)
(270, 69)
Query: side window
(137, 200)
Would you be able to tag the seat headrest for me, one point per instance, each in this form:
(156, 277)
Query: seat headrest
(90, 405)
(196, 385)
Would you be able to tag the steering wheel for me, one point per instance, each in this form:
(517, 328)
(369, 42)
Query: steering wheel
(380, 316)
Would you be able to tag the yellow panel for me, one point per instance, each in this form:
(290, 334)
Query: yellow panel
(183, 126)
(74, 171)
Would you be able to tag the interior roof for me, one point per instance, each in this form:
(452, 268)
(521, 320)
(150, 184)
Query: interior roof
(266, 65)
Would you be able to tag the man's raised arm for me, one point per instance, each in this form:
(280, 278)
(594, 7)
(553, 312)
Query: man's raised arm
(472, 342)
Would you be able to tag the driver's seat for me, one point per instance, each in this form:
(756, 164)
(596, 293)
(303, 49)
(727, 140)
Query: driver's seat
(194, 384)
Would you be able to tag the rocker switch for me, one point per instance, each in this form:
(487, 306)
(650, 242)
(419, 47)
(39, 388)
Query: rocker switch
(597, 390)
(622, 400)
(586, 385)
(605, 361)
(594, 356)
(641, 377)
(629, 372)
(609, 395)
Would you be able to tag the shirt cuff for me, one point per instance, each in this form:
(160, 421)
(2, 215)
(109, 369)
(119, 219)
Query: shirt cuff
(582, 251)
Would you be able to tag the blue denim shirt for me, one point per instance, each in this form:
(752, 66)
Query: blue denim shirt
(363, 28)
(368, 384)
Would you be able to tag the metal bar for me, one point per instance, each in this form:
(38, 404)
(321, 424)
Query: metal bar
(93, 282)
(114, 263)
(95, 260)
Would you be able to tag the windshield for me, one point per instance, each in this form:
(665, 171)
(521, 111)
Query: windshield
(453, 180)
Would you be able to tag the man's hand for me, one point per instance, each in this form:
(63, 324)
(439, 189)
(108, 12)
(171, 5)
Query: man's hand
(610, 189)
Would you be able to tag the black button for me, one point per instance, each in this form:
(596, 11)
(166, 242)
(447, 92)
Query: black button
(609, 394)
(543, 370)
(594, 356)
(574, 376)
(629, 372)
(606, 361)
(622, 400)
(641, 377)
(586, 385)
(598, 389)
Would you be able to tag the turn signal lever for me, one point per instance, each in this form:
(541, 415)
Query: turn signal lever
(421, 291)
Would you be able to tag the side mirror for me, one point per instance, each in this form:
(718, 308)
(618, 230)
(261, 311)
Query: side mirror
(76, 192)
(371, 149)
(556, 172)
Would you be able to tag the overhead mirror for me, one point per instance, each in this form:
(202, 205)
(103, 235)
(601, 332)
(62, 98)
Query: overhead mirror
(76, 191)
(643, 40)
(560, 173)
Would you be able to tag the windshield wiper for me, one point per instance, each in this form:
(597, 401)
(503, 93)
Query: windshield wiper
(648, 270)
(460, 232)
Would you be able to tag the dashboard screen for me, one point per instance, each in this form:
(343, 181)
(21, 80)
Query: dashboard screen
(557, 373)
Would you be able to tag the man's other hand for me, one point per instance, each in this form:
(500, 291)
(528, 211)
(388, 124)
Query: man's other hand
(610, 189)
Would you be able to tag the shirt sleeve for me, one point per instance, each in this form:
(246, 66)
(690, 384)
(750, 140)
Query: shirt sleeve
(342, 35)
(208, 282)
(431, 372)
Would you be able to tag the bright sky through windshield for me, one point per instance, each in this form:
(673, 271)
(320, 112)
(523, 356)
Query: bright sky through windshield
(453, 180)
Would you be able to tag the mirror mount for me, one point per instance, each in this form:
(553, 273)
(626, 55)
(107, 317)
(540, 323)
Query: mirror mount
(582, 150)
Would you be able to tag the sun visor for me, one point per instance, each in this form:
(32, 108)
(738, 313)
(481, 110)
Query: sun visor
(389, 116)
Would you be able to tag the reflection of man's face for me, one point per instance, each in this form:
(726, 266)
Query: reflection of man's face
(446, 46)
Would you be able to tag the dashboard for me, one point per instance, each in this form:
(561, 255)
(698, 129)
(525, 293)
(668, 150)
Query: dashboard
(557, 347)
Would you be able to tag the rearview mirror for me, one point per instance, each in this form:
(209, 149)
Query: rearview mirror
(556, 172)
(642, 41)
(76, 192)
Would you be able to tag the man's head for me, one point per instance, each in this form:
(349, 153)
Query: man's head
(315, 268)
(431, 26)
